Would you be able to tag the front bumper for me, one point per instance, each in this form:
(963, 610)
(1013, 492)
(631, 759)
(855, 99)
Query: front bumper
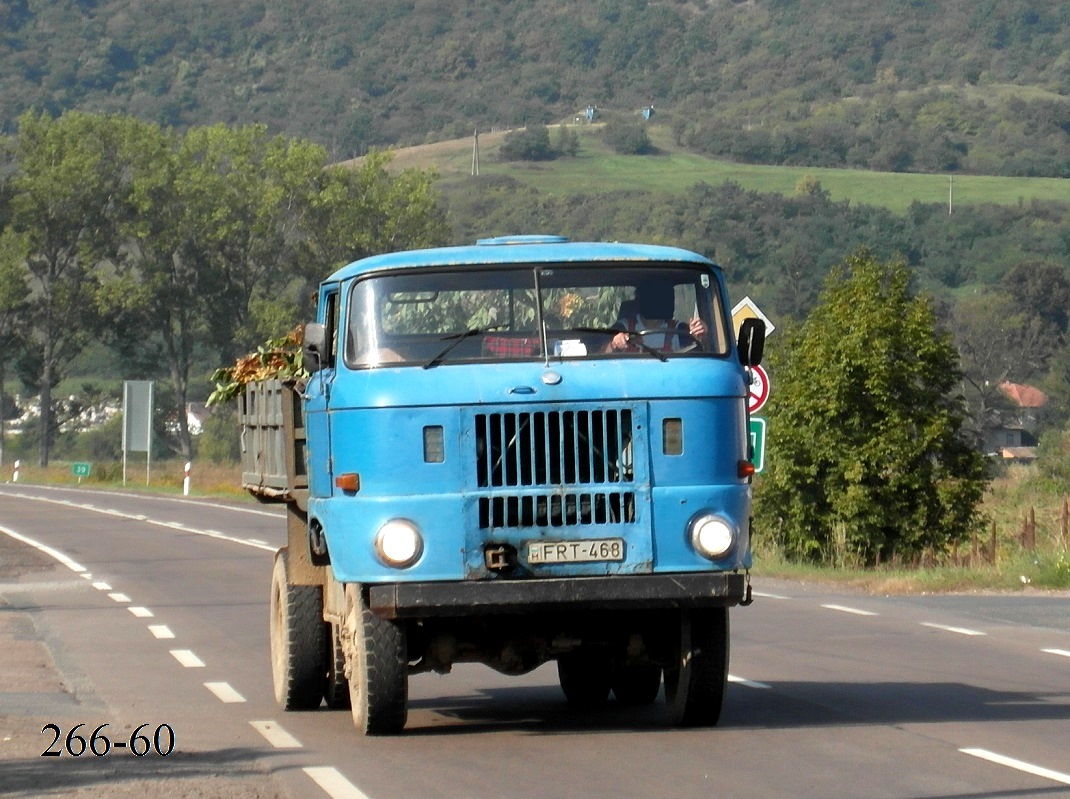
(427, 600)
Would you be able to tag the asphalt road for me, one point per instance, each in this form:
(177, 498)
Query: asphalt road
(153, 611)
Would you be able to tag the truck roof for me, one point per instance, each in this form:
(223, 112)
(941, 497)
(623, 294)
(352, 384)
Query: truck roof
(521, 250)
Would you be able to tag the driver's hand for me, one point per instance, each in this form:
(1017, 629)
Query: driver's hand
(698, 329)
(619, 342)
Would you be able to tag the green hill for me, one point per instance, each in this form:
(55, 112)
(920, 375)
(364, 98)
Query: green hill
(596, 169)
(975, 86)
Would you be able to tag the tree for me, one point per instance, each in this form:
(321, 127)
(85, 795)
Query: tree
(998, 340)
(246, 197)
(154, 302)
(867, 457)
(368, 210)
(13, 295)
(69, 181)
(1041, 288)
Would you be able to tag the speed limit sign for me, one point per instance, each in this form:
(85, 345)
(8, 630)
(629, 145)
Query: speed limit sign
(758, 392)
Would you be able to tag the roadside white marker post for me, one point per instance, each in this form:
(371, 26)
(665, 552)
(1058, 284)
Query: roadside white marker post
(185, 481)
(15, 476)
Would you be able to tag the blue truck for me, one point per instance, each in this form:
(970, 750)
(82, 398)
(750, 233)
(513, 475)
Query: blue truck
(521, 451)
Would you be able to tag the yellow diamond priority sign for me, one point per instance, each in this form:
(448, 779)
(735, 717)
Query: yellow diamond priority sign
(747, 309)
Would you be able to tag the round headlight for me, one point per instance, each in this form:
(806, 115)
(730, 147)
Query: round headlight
(712, 536)
(398, 543)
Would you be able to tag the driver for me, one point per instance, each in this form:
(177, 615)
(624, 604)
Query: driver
(652, 310)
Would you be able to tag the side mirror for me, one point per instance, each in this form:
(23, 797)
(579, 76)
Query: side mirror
(314, 348)
(751, 342)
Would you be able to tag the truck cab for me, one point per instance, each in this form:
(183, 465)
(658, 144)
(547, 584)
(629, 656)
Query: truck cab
(521, 451)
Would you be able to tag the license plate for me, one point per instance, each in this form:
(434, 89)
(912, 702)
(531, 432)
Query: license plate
(599, 549)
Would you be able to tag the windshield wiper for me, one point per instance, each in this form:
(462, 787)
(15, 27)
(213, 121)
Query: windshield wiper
(633, 335)
(457, 338)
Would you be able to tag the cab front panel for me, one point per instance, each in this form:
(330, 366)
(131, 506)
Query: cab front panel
(517, 491)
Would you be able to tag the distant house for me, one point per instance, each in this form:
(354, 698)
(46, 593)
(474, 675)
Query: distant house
(1014, 440)
(197, 413)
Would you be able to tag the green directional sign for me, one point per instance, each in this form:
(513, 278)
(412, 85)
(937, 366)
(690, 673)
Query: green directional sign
(81, 469)
(757, 443)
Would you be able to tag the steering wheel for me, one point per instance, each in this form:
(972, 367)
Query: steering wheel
(695, 344)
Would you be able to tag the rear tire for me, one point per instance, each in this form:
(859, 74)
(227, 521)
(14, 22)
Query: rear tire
(585, 678)
(297, 640)
(695, 682)
(637, 684)
(378, 668)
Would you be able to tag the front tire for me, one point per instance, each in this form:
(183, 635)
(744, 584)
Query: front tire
(297, 640)
(336, 687)
(377, 668)
(697, 675)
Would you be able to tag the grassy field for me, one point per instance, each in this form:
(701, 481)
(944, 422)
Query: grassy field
(596, 169)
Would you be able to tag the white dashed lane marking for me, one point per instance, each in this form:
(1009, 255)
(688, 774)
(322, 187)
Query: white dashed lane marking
(187, 658)
(855, 611)
(101, 586)
(224, 693)
(333, 783)
(1063, 652)
(117, 597)
(140, 612)
(1019, 765)
(746, 682)
(161, 631)
(276, 735)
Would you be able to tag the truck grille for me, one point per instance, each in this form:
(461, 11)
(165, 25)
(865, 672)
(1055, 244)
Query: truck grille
(586, 453)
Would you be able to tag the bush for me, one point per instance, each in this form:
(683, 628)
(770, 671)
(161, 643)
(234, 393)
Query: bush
(627, 137)
(529, 144)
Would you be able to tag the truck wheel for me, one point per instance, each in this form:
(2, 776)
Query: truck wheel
(378, 668)
(695, 682)
(336, 687)
(297, 640)
(637, 684)
(584, 678)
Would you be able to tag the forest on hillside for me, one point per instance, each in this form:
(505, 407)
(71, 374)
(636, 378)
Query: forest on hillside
(924, 85)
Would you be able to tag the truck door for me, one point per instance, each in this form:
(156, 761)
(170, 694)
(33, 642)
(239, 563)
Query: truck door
(317, 401)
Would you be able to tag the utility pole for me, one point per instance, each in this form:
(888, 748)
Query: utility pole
(475, 152)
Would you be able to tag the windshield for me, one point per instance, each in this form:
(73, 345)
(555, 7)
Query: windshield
(427, 318)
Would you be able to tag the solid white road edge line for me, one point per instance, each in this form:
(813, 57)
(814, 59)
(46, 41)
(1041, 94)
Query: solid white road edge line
(333, 783)
(95, 492)
(73, 565)
(224, 693)
(137, 518)
(1020, 765)
(946, 629)
(276, 735)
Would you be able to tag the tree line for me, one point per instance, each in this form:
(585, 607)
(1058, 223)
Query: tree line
(924, 85)
(173, 248)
